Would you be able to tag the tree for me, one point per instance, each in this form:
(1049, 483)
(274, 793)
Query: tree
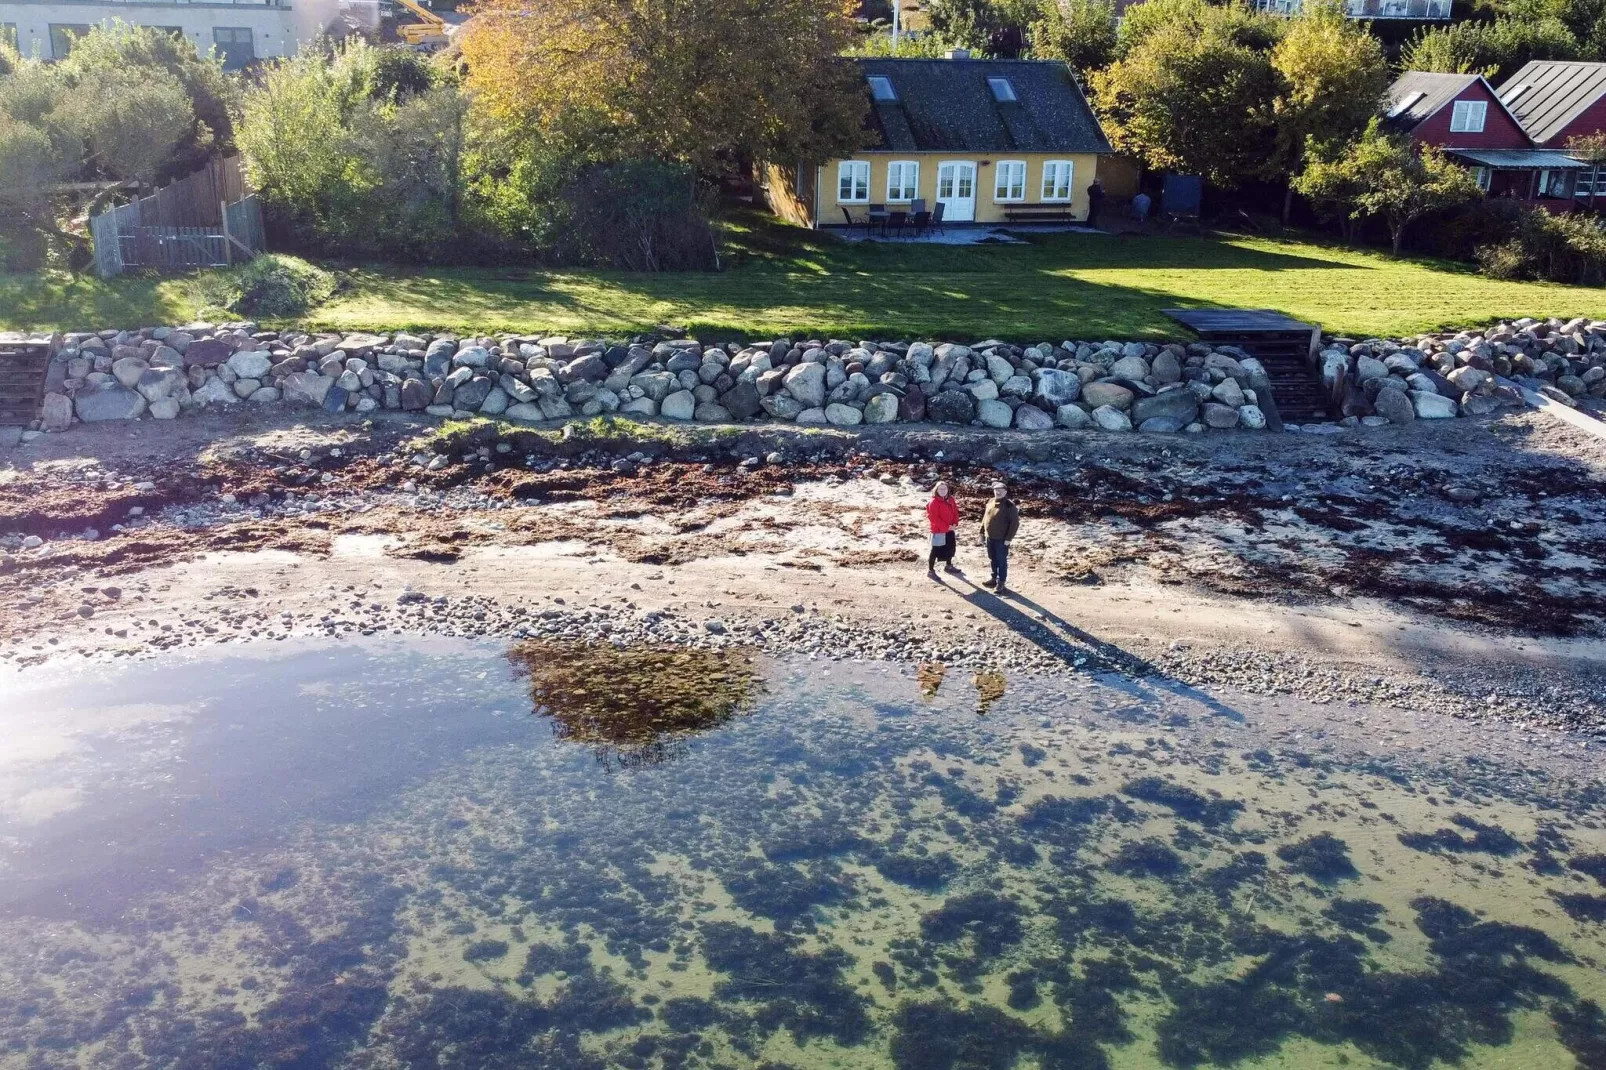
(1196, 94)
(1334, 77)
(667, 80)
(1493, 49)
(1080, 32)
(130, 121)
(107, 52)
(360, 151)
(1591, 149)
(1381, 174)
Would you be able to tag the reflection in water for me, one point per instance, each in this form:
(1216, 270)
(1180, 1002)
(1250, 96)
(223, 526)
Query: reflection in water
(635, 706)
(824, 881)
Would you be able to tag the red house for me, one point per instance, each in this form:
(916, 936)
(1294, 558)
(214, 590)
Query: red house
(1556, 101)
(1463, 115)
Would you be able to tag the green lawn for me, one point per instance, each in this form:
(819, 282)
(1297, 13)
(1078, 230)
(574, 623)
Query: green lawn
(785, 280)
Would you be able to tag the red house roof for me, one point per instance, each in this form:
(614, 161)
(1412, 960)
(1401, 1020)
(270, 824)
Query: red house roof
(1420, 103)
(1557, 98)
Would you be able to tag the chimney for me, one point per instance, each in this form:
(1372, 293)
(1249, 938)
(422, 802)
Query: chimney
(958, 53)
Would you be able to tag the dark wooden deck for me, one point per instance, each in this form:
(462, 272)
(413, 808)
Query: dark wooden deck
(1204, 321)
(1284, 345)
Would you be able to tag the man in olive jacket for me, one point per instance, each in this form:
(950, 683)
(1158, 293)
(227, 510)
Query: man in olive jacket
(999, 522)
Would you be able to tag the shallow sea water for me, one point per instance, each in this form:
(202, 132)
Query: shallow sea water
(379, 855)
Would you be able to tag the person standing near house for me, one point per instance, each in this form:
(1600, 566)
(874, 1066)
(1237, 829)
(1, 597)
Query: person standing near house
(943, 513)
(999, 522)
(1140, 209)
(1095, 201)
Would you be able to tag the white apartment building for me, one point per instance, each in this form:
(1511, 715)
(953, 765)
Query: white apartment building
(1421, 10)
(240, 30)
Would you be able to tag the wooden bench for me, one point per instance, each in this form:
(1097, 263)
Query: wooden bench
(1041, 213)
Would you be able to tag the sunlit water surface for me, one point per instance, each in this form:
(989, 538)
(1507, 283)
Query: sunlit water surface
(380, 856)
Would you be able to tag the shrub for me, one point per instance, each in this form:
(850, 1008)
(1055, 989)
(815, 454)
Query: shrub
(272, 286)
(1558, 248)
(638, 215)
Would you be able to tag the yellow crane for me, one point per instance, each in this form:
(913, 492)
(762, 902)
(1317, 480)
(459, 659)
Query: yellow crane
(429, 32)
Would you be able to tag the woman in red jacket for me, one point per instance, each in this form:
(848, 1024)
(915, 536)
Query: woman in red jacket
(943, 512)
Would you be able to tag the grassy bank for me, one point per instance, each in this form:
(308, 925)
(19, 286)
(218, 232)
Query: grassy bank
(784, 280)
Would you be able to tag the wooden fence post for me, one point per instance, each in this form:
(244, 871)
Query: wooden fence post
(223, 216)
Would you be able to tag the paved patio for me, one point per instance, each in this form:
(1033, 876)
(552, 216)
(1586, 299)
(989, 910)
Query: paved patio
(967, 234)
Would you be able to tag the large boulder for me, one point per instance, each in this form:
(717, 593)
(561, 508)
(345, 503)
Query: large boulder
(1252, 417)
(912, 406)
(416, 394)
(1032, 418)
(1229, 393)
(215, 390)
(1166, 368)
(128, 369)
(1110, 418)
(250, 365)
(881, 409)
(1072, 417)
(993, 413)
(1179, 405)
(782, 406)
(158, 383)
(1107, 395)
(999, 370)
(56, 412)
(951, 407)
(1432, 406)
(111, 401)
(806, 383)
(1395, 405)
(1134, 368)
(742, 400)
(206, 352)
(842, 415)
(1058, 387)
(1161, 425)
(1370, 368)
(680, 405)
(472, 394)
(1220, 416)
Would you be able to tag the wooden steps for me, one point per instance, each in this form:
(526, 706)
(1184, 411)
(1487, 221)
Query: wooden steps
(24, 363)
(1285, 346)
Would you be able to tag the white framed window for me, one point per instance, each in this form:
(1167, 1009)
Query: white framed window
(1483, 175)
(1467, 116)
(1003, 92)
(1057, 178)
(852, 182)
(903, 180)
(1009, 180)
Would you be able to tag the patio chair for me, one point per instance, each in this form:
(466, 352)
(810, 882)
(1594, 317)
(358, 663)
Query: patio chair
(936, 217)
(877, 218)
(847, 217)
(917, 206)
(896, 222)
(921, 221)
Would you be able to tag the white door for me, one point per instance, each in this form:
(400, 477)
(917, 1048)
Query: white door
(956, 191)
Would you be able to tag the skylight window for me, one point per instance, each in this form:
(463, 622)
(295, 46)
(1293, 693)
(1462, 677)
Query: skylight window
(881, 88)
(1003, 92)
(1511, 97)
(1405, 104)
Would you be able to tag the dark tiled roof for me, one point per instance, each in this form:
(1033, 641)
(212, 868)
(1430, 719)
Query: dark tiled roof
(1428, 93)
(1558, 91)
(945, 105)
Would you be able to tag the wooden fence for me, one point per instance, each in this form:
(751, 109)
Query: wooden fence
(205, 220)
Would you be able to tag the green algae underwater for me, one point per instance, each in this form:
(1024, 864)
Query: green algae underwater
(446, 854)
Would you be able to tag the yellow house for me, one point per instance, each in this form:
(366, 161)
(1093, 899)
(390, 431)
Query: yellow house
(991, 141)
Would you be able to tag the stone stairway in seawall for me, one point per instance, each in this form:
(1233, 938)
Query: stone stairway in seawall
(1281, 344)
(24, 363)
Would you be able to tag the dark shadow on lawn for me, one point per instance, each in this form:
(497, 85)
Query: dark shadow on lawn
(1070, 644)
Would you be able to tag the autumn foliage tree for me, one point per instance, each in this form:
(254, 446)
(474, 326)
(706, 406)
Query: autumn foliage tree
(670, 80)
(1194, 90)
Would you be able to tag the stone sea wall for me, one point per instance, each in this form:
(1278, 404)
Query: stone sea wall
(1435, 376)
(164, 372)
